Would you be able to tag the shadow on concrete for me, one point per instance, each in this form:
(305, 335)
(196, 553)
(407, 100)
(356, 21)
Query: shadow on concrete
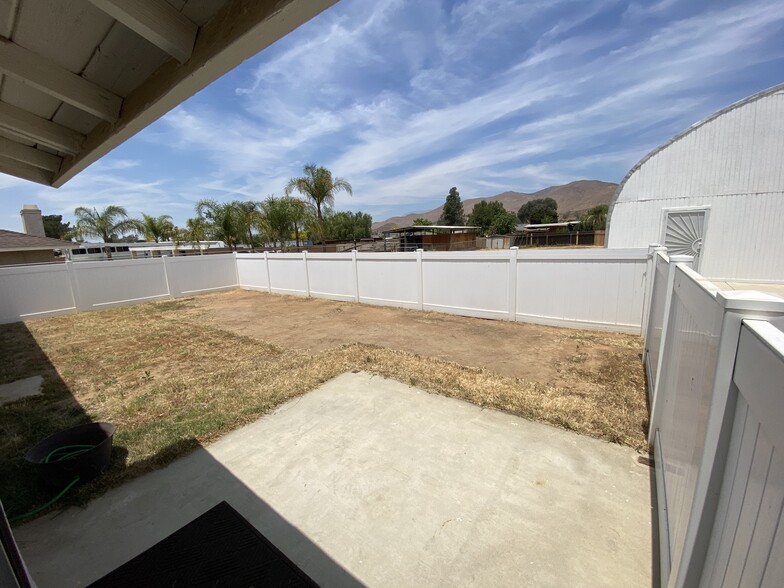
(83, 545)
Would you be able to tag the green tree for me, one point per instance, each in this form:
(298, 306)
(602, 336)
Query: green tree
(319, 186)
(350, 226)
(538, 211)
(54, 226)
(222, 221)
(157, 228)
(109, 224)
(594, 219)
(279, 217)
(248, 217)
(452, 213)
(422, 222)
(492, 218)
(195, 232)
(300, 213)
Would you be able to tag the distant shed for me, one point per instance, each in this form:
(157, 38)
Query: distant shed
(716, 191)
(431, 238)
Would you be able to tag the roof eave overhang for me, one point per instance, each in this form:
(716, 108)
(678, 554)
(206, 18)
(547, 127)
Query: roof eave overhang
(238, 31)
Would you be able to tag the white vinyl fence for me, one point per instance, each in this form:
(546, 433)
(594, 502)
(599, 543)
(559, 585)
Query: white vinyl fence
(709, 409)
(598, 289)
(46, 290)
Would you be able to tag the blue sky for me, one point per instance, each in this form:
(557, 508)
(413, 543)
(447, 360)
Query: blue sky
(406, 98)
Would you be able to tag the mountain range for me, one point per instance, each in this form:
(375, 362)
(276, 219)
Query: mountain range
(572, 198)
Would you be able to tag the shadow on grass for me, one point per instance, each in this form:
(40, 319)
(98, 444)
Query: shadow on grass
(170, 497)
(25, 422)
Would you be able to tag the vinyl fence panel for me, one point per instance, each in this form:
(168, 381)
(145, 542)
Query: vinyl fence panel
(331, 275)
(468, 284)
(104, 284)
(747, 540)
(389, 279)
(602, 289)
(287, 273)
(201, 273)
(252, 271)
(34, 291)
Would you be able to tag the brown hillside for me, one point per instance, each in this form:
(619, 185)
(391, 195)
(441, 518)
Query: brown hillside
(572, 199)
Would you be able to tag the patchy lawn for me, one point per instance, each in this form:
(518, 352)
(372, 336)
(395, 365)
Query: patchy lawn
(170, 374)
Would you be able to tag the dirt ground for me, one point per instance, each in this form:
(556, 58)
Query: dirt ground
(548, 355)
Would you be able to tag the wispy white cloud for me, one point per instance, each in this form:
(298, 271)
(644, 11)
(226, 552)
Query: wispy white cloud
(406, 98)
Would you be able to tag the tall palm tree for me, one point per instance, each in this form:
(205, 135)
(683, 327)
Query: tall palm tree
(110, 224)
(195, 232)
(157, 228)
(247, 214)
(318, 185)
(221, 221)
(279, 216)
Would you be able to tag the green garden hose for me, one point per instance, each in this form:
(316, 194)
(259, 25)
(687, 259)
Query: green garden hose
(59, 454)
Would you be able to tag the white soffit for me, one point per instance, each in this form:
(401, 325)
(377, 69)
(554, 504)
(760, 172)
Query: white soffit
(79, 77)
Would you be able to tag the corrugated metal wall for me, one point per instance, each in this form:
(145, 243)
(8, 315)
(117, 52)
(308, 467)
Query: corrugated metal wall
(732, 163)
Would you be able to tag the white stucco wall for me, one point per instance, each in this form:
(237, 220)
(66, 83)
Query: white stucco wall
(733, 162)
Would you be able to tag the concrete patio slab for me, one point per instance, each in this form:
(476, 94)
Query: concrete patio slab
(19, 389)
(369, 481)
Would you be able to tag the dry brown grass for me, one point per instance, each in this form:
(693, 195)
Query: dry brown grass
(169, 383)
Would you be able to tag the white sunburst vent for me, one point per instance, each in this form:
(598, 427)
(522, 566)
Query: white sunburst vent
(684, 231)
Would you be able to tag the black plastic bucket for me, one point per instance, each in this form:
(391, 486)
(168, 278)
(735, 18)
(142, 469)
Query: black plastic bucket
(86, 465)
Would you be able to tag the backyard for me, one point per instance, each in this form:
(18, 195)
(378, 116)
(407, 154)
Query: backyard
(176, 374)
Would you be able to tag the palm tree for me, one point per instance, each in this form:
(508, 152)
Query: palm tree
(195, 232)
(157, 228)
(221, 221)
(595, 219)
(247, 214)
(282, 216)
(318, 185)
(109, 225)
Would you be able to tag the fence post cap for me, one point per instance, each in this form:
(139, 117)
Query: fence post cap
(750, 300)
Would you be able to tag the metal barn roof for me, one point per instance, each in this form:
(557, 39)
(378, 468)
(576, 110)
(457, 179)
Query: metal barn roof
(80, 77)
(450, 228)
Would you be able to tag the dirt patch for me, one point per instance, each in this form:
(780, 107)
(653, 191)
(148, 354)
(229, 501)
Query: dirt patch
(176, 374)
(547, 355)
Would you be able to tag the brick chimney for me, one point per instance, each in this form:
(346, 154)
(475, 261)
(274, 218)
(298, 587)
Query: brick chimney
(32, 221)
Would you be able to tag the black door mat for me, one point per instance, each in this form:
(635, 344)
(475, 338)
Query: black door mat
(220, 549)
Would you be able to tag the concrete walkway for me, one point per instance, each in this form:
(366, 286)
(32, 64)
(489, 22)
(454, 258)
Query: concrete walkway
(370, 481)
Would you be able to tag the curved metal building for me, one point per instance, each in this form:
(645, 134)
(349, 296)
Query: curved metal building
(716, 191)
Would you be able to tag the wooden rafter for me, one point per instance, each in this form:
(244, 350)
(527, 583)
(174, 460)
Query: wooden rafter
(30, 155)
(42, 74)
(25, 171)
(157, 21)
(39, 130)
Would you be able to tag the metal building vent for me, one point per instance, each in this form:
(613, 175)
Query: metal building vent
(684, 232)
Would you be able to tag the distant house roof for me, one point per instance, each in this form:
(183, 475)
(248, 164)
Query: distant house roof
(13, 241)
(450, 228)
